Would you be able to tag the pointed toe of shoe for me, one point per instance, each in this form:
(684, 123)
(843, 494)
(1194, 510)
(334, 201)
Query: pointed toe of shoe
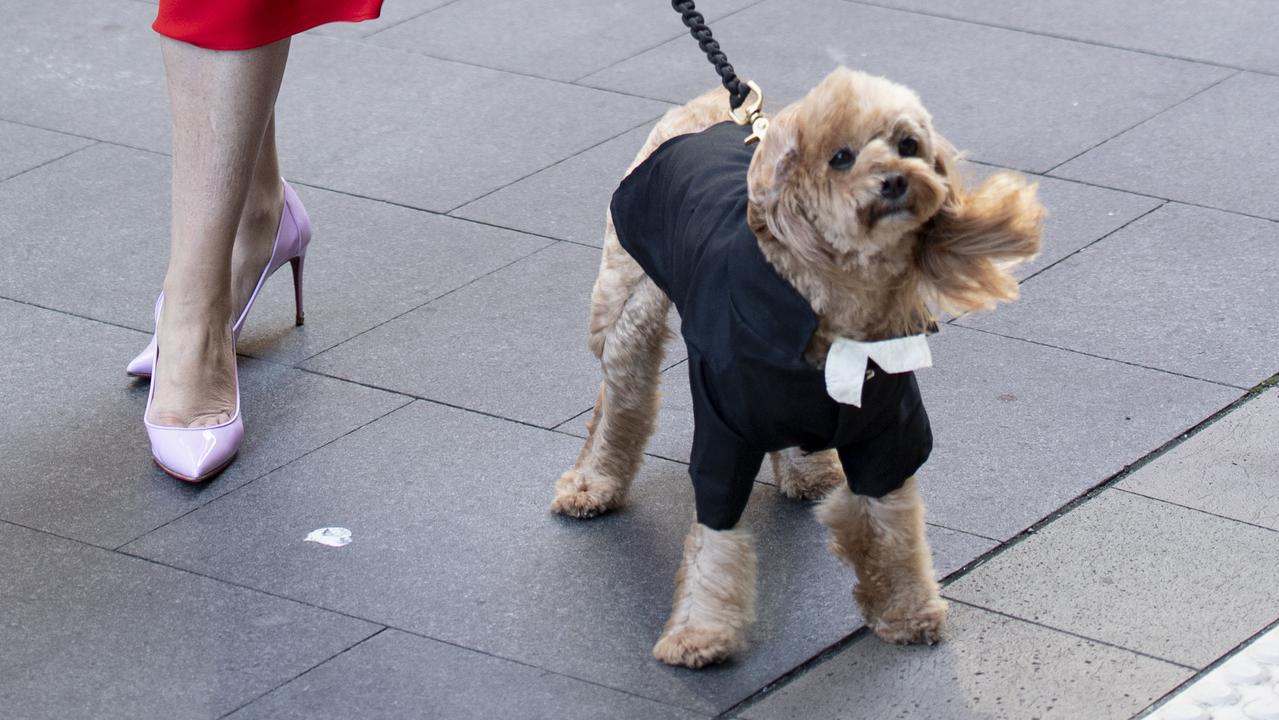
(142, 365)
(195, 454)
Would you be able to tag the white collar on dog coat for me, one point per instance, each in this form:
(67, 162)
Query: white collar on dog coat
(846, 363)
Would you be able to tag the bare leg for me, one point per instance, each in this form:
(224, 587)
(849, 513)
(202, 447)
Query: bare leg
(714, 599)
(628, 331)
(883, 539)
(806, 476)
(259, 221)
(221, 104)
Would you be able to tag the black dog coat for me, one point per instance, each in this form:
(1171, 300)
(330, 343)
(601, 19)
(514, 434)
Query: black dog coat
(681, 215)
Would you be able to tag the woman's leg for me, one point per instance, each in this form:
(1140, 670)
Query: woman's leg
(222, 105)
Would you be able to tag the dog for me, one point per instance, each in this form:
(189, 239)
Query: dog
(846, 228)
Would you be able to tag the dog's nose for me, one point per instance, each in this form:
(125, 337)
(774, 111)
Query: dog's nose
(893, 187)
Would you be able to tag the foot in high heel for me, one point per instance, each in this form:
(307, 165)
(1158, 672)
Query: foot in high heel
(194, 454)
(291, 240)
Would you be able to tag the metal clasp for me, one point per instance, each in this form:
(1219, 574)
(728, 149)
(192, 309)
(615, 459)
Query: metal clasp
(750, 112)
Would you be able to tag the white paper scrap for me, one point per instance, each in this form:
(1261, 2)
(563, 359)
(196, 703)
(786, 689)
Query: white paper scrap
(331, 536)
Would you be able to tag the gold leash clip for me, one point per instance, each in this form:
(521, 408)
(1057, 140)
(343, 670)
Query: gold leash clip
(750, 112)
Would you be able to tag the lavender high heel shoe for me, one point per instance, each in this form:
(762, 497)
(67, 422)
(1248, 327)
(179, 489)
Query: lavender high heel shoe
(194, 454)
(291, 240)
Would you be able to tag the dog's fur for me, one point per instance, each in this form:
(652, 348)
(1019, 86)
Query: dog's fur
(871, 269)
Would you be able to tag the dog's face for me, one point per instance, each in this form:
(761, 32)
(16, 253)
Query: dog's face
(847, 173)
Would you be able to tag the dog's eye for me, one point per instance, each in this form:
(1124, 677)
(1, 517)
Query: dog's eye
(908, 147)
(843, 159)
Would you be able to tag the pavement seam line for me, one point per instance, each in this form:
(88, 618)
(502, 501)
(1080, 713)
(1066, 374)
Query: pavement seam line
(1080, 250)
(839, 645)
(1063, 631)
(1049, 172)
(442, 403)
(334, 656)
(1054, 36)
(68, 538)
(1201, 511)
(411, 18)
(221, 581)
(68, 313)
(63, 156)
(23, 123)
(1130, 363)
(583, 151)
(1124, 191)
(445, 294)
(490, 68)
(384, 625)
(544, 670)
(667, 41)
(121, 547)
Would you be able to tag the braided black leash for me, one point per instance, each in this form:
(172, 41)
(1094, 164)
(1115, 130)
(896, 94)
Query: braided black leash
(696, 23)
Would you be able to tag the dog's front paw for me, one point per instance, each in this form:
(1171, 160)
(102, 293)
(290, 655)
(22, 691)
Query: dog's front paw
(694, 647)
(923, 624)
(580, 496)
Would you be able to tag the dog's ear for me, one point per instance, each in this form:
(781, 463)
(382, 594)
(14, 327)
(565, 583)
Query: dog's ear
(775, 184)
(775, 161)
(967, 248)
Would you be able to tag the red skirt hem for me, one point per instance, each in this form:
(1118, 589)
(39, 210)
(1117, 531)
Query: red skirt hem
(248, 24)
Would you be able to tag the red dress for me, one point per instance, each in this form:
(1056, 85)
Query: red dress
(244, 24)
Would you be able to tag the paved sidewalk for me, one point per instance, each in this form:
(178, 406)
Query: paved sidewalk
(1103, 494)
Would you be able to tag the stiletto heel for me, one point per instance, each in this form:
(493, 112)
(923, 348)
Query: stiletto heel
(297, 288)
(291, 240)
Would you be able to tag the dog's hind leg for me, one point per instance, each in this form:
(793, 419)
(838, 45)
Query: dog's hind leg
(883, 539)
(806, 476)
(627, 332)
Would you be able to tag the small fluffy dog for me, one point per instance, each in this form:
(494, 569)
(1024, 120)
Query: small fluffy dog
(847, 225)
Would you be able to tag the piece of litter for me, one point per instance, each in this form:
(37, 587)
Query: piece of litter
(331, 536)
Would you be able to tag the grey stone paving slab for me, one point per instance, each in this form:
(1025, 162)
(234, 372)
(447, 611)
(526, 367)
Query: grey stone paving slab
(1010, 98)
(75, 457)
(511, 344)
(1203, 152)
(1231, 468)
(1182, 289)
(1019, 429)
(561, 39)
(88, 234)
(89, 633)
(568, 201)
(85, 67)
(991, 668)
(1139, 573)
(23, 148)
(453, 540)
(368, 262)
(393, 13)
(429, 133)
(399, 675)
(1232, 33)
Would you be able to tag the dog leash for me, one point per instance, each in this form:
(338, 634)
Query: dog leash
(745, 99)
